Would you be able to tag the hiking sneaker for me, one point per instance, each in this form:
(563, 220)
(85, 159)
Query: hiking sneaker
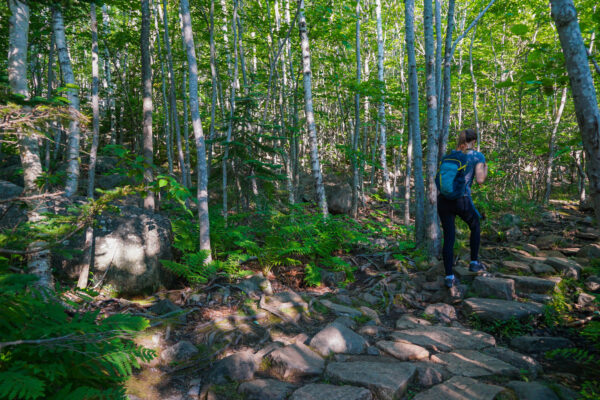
(451, 282)
(477, 266)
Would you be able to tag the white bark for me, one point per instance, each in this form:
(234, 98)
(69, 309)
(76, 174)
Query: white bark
(381, 105)
(202, 194)
(149, 201)
(356, 135)
(73, 97)
(552, 146)
(582, 87)
(107, 76)
(310, 116)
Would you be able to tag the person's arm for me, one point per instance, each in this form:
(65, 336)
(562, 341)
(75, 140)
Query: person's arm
(481, 170)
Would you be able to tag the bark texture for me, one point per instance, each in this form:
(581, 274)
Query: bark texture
(149, 202)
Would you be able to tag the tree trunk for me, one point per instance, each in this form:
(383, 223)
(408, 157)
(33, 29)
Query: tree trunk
(475, 112)
(89, 232)
(552, 145)
(213, 74)
(107, 76)
(582, 87)
(381, 106)
(149, 202)
(356, 135)
(202, 195)
(72, 96)
(37, 263)
(409, 152)
(447, 85)
(414, 122)
(310, 116)
(431, 219)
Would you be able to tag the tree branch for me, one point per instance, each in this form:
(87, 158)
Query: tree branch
(471, 25)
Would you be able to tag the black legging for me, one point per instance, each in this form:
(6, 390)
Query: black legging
(448, 210)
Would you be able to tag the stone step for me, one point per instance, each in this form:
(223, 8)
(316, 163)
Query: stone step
(521, 361)
(296, 360)
(403, 351)
(517, 266)
(266, 389)
(386, 380)
(442, 338)
(494, 309)
(531, 284)
(474, 364)
(494, 287)
(340, 309)
(318, 391)
(461, 388)
(532, 390)
(337, 338)
(568, 268)
(539, 344)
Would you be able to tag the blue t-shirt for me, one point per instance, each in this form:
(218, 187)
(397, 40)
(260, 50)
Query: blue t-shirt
(473, 158)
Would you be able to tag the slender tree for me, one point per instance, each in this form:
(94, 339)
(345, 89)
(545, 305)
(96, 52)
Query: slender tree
(149, 202)
(202, 194)
(582, 88)
(355, 137)
(381, 105)
(73, 97)
(310, 116)
(552, 146)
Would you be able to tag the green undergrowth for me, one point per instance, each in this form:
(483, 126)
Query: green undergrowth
(506, 329)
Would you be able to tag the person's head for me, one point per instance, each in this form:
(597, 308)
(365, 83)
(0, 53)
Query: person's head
(466, 139)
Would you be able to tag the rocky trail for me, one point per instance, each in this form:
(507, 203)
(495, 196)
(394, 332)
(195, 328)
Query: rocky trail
(395, 333)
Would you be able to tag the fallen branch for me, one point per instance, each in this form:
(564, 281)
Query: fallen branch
(34, 197)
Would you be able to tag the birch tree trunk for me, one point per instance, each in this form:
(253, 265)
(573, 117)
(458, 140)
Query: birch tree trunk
(310, 116)
(107, 76)
(413, 86)
(433, 229)
(381, 106)
(202, 194)
(552, 146)
(73, 97)
(37, 263)
(582, 87)
(89, 232)
(446, 85)
(409, 152)
(475, 111)
(356, 135)
(149, 202)
(213, 75)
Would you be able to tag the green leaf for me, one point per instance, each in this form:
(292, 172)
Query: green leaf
(162, 182)
(519, 29)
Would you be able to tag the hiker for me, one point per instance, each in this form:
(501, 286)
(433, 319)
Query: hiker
(455, 177)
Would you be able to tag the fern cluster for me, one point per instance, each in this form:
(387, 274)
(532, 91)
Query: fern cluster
(49, 352)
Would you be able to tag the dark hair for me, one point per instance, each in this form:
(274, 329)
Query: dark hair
(466, 136)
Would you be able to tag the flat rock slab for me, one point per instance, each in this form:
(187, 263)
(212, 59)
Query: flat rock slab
(429, 374)
(516, 266)
(288, 302)
(236, 367)
(337, 338)
(474, 364)
(539, 344)
(318, 391)
(494, 309)
(296, 360)
(568, 268)
(403, 351)
(411, 322)
(532, 391)
(387, 381)
(494, 287)
(266, 389)
(461, 388)
(340, 309)
(542, 269)
(464, 274)
(521, 361)
(532, 284)
(441, 338)
(442, 312)
(179, 352)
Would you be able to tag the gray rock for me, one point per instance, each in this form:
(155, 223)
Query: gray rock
(531, 248)
(344, 298)
(585, 299)
(542, 269)
(516, 266)
(128, 249)
(592, 283)
(590, 251)
(539, 344)
(532, 391)
(386, 380)
(441, 338)
(256, 284)
(521, 361)
(347, 322)
(369, 298)
(429, 374)
(443, 312)
(370, 330)
(410, 322)
(266, 389)
(532, 284)
(164, 306)
(494, 287)
(568, 268)
(236, 367)
(510, 220)
(547, 242)
(319, 391)
(539, 298)
(296, 360)
(340, 309)
(339, 198)
(336, 338)
(179, 352)
(474, 364)
(493, 309)
(403, 351)
(368, 312)
(288, 302)
(464, 274)
(461, 388)
(513, 234)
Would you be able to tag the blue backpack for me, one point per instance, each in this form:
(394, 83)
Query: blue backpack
(450, 179)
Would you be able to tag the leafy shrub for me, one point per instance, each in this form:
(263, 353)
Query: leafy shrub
(50, 352)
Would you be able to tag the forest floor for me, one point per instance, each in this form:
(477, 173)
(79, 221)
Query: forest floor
(396, 332)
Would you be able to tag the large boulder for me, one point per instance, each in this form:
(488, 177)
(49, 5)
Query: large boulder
(128, 250)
